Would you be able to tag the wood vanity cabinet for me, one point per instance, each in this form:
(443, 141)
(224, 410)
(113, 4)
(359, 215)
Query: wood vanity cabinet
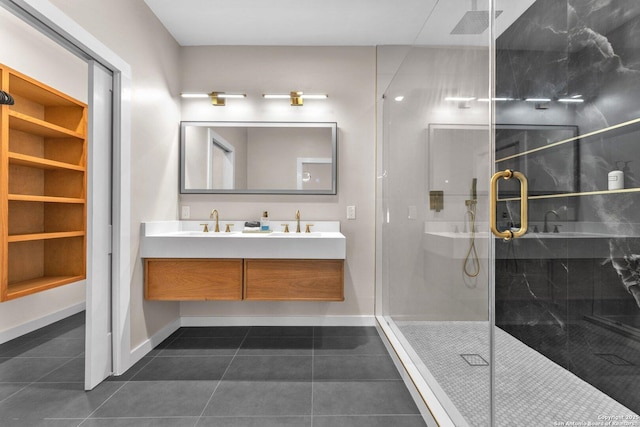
(184, 279)
(43, 141)
(179, 279)
(294, 279)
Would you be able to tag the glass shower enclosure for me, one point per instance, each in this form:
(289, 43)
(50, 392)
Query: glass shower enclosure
(541, 325)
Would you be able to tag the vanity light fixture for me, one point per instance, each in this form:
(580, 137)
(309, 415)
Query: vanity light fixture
(460, 98)
(463, 101)
(296, 97)
(540, 103)
(194, 95)
(217, 98)
(538, 99)
(494, 99)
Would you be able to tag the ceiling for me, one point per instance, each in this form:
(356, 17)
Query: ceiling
(325, 22)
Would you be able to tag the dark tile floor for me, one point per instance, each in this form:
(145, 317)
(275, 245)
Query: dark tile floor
(231, 377)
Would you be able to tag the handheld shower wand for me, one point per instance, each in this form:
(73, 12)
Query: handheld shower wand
(472, 253)
(474, 193)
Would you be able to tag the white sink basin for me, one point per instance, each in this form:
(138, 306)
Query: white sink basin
(185, 239)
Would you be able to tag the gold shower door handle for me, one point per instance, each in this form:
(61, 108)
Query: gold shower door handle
(524, 204)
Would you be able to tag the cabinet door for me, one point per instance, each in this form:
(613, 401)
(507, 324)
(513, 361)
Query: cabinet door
(193, 279)
(294, 279)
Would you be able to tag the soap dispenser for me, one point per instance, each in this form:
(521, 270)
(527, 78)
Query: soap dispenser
(264, 221)
(616, 179)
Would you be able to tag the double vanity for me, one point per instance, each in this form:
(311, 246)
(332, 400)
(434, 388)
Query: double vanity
(182, 262)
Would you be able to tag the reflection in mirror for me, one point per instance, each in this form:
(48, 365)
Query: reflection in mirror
(258, 157)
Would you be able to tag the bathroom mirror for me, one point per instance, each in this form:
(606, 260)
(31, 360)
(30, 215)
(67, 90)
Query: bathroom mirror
(554, 170)
(258, 158)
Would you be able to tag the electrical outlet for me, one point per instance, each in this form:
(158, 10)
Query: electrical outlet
(351, 212)
(186, 212)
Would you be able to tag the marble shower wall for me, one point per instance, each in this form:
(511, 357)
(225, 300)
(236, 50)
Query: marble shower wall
(550, 289)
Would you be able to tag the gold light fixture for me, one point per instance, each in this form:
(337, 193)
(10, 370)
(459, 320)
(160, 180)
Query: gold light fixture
(296, 97)
(217, 98)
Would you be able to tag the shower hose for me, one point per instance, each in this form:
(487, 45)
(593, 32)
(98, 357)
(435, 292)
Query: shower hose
(471, 265)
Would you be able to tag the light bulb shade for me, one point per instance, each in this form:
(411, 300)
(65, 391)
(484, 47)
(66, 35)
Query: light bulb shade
(194, 95)
(231, 95)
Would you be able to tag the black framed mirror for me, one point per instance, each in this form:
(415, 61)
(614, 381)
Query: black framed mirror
(258, 157)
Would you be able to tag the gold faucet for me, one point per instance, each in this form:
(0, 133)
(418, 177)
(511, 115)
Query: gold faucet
(298, 221)
(214, 214)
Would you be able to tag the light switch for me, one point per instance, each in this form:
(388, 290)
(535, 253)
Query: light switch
(351, 212)
(186, 212)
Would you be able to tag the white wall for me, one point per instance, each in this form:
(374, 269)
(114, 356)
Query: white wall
(282, 147)
(130, 29)
(347, 74)
(27, 51)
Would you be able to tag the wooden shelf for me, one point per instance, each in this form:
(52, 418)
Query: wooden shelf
(28, 124)
(31, 286)
(43, 236)
(585, 193)
(43, 189)
(47, 199)
(26, 87)
(31, 161)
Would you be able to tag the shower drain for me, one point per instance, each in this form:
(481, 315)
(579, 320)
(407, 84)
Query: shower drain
(474, 360)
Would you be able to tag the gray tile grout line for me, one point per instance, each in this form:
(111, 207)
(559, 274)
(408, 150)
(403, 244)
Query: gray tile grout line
(222, 376)
(121, 387)
(44, 375)
(71, 359)
(82, 421)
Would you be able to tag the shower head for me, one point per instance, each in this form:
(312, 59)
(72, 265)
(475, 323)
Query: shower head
(474, 21)
(474, 192)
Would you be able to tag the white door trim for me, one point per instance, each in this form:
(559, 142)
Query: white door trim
(44, 16)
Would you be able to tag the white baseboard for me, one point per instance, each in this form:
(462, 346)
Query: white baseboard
(143, 349)
(278, 321)
(40, 322)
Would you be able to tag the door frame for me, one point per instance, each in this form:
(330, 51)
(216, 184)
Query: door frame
(51, 21)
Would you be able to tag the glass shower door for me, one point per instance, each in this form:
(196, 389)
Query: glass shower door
(567, 293)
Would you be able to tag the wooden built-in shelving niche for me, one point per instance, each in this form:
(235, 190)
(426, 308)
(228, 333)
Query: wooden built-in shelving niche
(43, 209)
